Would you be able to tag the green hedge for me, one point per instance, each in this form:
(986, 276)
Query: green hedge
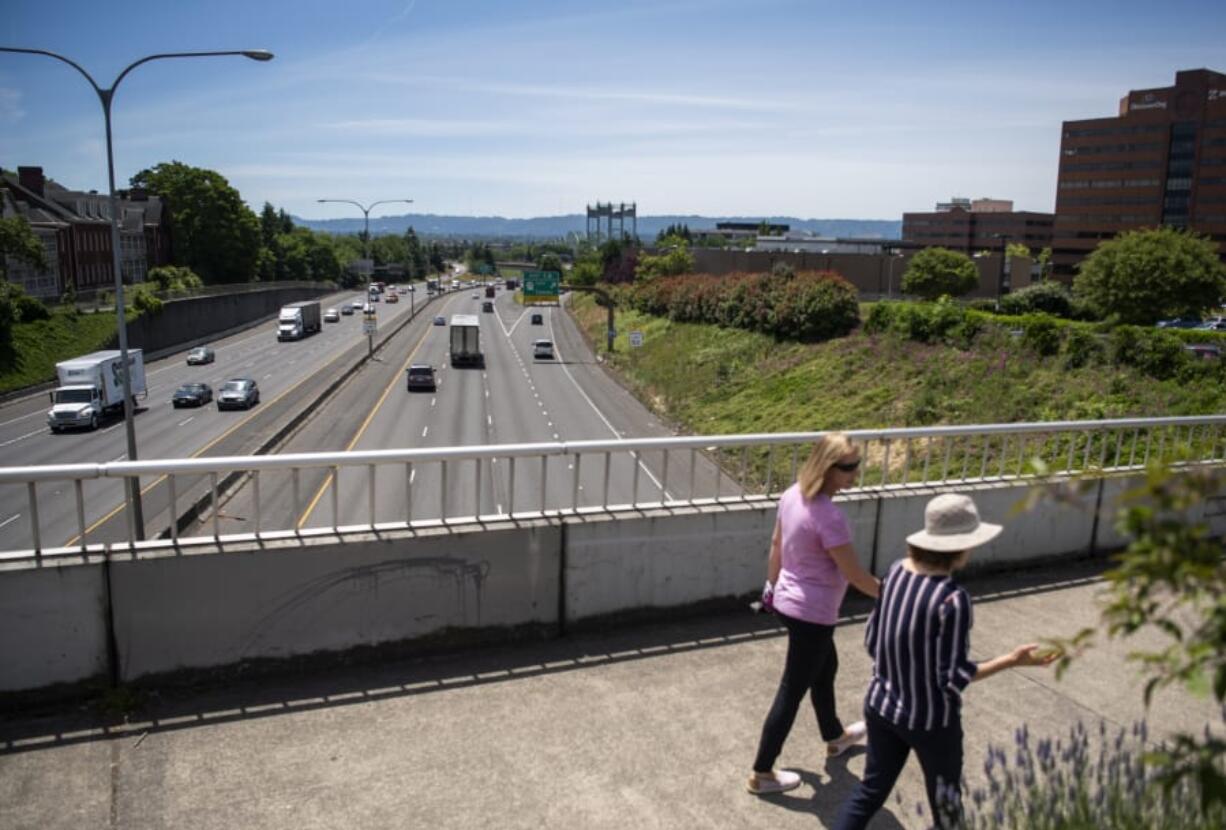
(809, 306)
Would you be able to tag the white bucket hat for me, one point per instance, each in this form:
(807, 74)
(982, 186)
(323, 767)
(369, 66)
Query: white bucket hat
(951, 524)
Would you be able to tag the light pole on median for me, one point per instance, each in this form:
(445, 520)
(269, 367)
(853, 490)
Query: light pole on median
(106, 97)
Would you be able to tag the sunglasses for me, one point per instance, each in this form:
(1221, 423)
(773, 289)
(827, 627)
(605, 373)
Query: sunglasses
(847, 466)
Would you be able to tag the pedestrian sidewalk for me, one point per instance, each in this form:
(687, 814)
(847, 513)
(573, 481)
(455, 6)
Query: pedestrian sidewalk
(651, 726)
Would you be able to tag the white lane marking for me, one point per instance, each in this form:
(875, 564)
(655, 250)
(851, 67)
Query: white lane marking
(17, 516)
(500, 509)
(118, 458)
(566, 369)
(512, 329)
(267, 376)
(23, 437)
(185, 423)
(412, 476)
(433, 401)
(489, 419)
(424, 430)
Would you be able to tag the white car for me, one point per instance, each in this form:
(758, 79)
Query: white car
(332, 315)
(542, 349)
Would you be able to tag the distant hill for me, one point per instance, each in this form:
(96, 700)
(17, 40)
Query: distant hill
(555, 227)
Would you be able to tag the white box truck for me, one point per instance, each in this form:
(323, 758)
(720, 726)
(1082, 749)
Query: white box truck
(92, 386)
(466, 341)
(297, 320)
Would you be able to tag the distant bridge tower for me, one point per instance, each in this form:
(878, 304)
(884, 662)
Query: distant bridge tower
(609, 212)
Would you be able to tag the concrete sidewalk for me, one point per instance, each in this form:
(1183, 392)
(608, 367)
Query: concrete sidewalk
(645, 726)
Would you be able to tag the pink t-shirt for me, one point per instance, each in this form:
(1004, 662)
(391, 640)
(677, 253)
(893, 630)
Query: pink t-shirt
(810, 586)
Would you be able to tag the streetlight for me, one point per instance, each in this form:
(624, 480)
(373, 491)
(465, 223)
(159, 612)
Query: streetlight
(106, 97)
(366, 217)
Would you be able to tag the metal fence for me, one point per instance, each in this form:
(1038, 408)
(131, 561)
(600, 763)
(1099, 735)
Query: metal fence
(623, 475)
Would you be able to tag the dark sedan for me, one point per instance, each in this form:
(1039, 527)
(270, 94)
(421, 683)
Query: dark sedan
(239, 393)
(192, 394)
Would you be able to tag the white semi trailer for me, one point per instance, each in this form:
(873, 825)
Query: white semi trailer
(92, 386)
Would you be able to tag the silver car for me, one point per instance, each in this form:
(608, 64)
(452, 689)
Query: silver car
(238, 393)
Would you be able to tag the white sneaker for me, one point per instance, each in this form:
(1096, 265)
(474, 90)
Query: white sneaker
(853, 735)
(773, 782)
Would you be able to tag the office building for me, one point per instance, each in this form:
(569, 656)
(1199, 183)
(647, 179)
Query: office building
(1160, 161)
(979, 225)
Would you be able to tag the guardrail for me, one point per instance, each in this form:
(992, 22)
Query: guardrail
(760, 467)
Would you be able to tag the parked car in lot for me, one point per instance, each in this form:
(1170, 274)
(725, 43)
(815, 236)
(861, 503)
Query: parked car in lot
(1203, 351)
(542, 350)
(1180, 323)
(200, 355)
(192, 394)
(440, 320)
(332, 315)
(238, 393)
(1214, 324)
(420, 377)
(347, 309)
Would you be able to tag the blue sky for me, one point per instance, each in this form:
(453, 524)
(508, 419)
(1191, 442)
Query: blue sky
(811, 109)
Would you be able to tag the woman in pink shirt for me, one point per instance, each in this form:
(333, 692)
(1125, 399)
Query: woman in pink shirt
(811, 563)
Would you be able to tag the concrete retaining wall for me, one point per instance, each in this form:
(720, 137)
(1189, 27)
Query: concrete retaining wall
(210, 609)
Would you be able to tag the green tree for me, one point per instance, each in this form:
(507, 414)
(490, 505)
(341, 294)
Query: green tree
(1143, 276)
(934, 272)
(216, 234)
(19, 242)
(549, 261)
(416, 260)
(675, 261)
(270, 224)
(1016, 249)
(389, 249)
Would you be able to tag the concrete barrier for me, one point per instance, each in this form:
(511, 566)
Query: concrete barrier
(223, 609)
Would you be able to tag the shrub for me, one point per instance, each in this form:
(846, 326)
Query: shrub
(29, 309)
(1081, 348)
(1155, 352)
(986, 304)
(880, 318)
(144, 301)
(1047, 297)
(1041, 333)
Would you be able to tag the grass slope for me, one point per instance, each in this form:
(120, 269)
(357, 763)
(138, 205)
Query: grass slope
(709, 380)
(38, 346)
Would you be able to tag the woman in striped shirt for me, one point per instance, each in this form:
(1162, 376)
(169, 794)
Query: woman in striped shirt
(919, 639)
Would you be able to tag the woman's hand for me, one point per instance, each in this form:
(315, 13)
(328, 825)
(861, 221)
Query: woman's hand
(1031, 655)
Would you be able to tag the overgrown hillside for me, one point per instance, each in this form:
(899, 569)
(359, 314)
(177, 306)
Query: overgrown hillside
(39, 345)
(710, 380)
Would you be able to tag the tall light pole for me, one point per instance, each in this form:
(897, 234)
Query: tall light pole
(366, 217)
(106, 97)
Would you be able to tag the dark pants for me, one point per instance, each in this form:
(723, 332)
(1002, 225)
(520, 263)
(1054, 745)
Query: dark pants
(940, 756)
(811, 665)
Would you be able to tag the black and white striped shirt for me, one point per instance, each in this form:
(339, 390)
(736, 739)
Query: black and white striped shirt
(919, 638)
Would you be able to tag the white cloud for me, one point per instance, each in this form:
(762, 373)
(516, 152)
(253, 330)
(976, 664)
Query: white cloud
(10, 105)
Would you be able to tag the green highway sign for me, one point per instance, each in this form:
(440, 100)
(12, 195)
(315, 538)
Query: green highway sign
(541, 286)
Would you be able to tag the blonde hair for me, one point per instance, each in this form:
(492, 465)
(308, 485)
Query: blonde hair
(826, 452)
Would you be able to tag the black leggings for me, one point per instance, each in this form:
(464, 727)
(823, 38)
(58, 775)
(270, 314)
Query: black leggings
(811, 665)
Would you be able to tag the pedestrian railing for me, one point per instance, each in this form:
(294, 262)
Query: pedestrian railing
(308, 494)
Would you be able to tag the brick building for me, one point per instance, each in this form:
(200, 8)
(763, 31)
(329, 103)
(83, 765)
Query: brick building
(75, 229)
(1160, 161)
(979, 225)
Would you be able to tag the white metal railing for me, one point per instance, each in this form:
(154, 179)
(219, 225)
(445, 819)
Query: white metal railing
(624, 475)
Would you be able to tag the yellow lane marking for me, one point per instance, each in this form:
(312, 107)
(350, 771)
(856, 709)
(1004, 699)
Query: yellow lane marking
(327, 482)
(123, 505)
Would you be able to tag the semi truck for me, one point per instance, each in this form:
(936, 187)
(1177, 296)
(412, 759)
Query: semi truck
(466, 341)
(432, 287)
(91, 386)
(297, 320)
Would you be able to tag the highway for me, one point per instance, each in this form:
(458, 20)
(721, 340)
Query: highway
(281, 369)
(513, 399)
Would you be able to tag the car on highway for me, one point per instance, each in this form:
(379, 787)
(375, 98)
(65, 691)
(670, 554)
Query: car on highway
(368, 310)
(440, 320)
(347, 310)
(412, 289)
(476, 296)
(332, 315)
(420, 376)
(238, 393)
(537, 320)
(200, 355)
(356, 305)
(487, 306)
(192, 394)
(1180, 323)
(542, 350)
(393, 298)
